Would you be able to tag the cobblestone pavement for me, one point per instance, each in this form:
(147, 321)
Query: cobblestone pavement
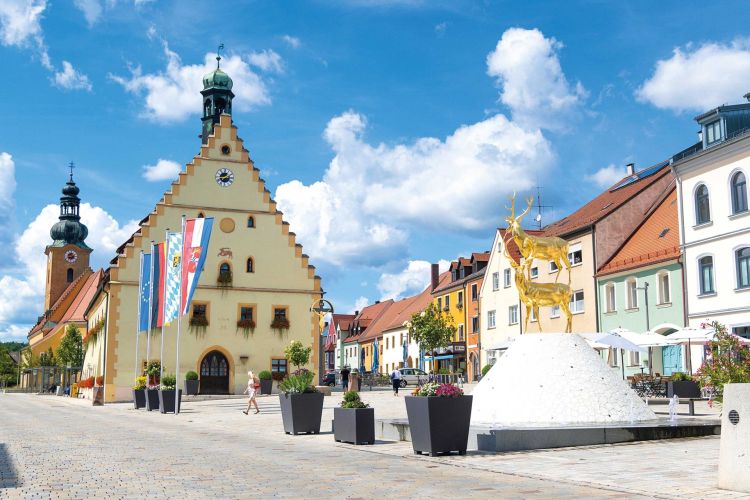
(52, 447)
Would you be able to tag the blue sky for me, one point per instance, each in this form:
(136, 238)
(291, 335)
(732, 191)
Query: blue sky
(390, 132)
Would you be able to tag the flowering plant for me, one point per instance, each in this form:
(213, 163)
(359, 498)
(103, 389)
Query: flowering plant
(99, 380)
(140, 383)
(727, 362)
(433, 389)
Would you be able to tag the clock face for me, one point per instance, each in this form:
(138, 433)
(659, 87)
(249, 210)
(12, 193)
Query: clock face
(224, 177)
(71, 256)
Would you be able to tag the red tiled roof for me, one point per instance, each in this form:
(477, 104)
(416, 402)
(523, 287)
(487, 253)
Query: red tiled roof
(481, 256)
(343, 320)
(656, 240)
(82, 299)
(510, 243)
(53, 310)
(366, 317)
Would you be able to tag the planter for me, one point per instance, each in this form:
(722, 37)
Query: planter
(191, 387)
(97, 397)
(166, 401)
(301, 412)
(683, 389)
(439, 425)
(354, 425)
(266, 386)
(139, 398)
(152, 399)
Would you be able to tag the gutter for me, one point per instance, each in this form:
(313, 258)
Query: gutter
(681, 205)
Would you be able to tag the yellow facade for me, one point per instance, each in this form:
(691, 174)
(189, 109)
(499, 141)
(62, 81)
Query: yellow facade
(455, 297)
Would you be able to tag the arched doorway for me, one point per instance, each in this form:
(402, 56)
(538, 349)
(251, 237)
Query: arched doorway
(474, 367)
(214, 376)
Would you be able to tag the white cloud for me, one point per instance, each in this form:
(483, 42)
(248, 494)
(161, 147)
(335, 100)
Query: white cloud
(534, 86)
(699, 79)
(20, 26)
(174, 94)
(92, 10)
(7, 181)
(70, 79)
(15, 333)
(606, 176)
(164, 170)
(292, 41)
(267, 60)
(361, 303)
(409, 281)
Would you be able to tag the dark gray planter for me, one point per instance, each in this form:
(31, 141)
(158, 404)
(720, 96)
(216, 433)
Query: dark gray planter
(439, 425)
(683, 389)
(301, 412)
(266, 386)
(191, 387)
(166, 401)
(139, 398)
(152, 399)
(354, 425)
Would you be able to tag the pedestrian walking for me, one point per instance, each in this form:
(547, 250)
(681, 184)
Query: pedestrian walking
(396, 380)
(253, 384)
(345, 378)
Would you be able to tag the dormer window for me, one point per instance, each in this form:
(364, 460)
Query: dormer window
(713, 132)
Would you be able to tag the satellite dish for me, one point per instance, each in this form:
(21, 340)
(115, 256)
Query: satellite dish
(538, 218)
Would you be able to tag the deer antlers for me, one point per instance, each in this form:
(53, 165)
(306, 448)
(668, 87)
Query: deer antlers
(512, 207)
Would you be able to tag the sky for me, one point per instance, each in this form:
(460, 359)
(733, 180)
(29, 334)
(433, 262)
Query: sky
(390, 132)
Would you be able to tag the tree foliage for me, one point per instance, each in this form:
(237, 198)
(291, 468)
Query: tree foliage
(70, 350)
(431, 329)
(297, 353)
(728, 361)
(8, 372)
(47, 358)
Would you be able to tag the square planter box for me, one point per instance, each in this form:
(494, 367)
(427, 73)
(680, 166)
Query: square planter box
(152, 399)
(301, 412)
(266, 386)
(439, 425)
(139, 398)
(166, 401)
(683, 389)
(191, 387)
(354, 425)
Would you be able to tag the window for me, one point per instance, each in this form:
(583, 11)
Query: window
(706, 271)
(513, 315)
(506, 278)
(739, 193)
(490, 319)
(440, 304)
(474, 292)
(387, 341)
(555, 312)
(713, 132)
(635, 358)
(251, 221)
(609, 294)
(200, 315)
(280, 315)
(499, 247)
(553, 267)
(475, 324)
(575, 257)
(631, 293)
(576, 302)
(70, 276)
(460, 299)
(665, 292)
(495, 281)
(278, 366)
(742, 331)
(534, 272)
(702, 208)
(613, 357)
(447, 300)
(743, 267)
(533, 318)
(249, 266)
(460, 333)
(246, 313)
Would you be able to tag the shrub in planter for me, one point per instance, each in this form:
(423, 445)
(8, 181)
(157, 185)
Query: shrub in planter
(354, 422)
(153, 368)
(167, 395)
(266, 382)
(139, 393)
(682, 385)
(439, 418)
(301, 404)
(191, 383)
(486, 369)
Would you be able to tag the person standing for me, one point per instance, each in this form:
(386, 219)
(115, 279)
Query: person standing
(345, 378)
(396, 380)
(253, 384)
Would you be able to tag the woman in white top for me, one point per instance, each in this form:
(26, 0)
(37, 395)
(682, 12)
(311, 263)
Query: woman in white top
(252, 385)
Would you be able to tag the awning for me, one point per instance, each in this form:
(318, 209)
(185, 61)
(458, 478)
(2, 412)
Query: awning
(439, 357)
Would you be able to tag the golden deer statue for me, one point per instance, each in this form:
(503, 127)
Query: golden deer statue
(550, 248)
(536, 295)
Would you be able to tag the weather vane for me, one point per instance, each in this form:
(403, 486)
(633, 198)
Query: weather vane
(218, 55)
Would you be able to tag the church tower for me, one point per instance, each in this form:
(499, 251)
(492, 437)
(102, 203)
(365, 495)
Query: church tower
(68, 255)
(217, 98)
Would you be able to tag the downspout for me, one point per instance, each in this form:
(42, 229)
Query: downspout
(681, 259)
(104, 347)
(596, 287)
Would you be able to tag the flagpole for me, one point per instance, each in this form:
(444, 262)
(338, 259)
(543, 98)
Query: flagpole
(163, 271)
(138, 322)
(179, 328)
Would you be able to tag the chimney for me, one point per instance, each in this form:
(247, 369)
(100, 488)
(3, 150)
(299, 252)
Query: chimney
(377, 302)
(631, 168)
(356, 313)
(435, 277)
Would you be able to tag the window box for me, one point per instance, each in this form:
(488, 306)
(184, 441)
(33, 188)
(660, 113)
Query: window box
(198, 321)
(280, 324)
(460, 305)
(225, 278)
(245, 324)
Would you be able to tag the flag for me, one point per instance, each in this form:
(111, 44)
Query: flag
(196, 234)
(157, 304)
(172, 275)
(145, 291)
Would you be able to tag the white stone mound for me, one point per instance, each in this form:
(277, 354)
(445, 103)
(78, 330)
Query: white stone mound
(554, 379)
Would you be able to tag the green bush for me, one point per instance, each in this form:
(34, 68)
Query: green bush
(298, 382)
(297, 353)
(444, 371)
(191, 375)
(152, 368)
(486, 369)
(680, 377)
(168, 383)
(265, 375)
(351, 400)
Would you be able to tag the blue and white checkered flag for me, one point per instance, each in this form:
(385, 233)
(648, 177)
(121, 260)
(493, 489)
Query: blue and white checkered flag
(172, 284)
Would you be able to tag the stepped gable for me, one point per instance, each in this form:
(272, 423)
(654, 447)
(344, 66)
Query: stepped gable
(209, 150)
(554, 379)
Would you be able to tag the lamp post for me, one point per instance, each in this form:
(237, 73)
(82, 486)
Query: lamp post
(648, 325)
(320, 308)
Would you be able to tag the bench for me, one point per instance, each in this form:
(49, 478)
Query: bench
(690, 402)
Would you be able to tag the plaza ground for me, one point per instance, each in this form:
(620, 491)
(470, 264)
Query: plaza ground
(55, 447)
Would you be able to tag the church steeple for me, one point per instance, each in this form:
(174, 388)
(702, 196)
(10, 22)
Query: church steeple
(69, 230)
(217, 97)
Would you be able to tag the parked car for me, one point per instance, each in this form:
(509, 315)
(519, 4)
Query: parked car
(413, 376)
(329, 379)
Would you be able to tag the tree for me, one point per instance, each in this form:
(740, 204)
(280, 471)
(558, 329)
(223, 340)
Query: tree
(728, 361)
(297, 353)
(47, 358)
(70, 350)
(431, 329)
(7, 367)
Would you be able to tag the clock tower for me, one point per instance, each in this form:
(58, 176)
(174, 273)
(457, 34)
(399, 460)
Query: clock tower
(217, 97)
(68, 255)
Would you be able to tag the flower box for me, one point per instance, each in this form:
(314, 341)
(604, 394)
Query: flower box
(301, 413)
(280, 324)
(152, 399)
(683, 389)
(139, 398)
(439, 424)
(354, 425)
(166, 400)
(191, 387)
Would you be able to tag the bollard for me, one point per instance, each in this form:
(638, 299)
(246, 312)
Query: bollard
(734, 459)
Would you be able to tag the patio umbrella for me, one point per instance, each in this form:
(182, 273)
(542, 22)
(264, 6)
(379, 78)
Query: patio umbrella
(690, 334)
(374, 368)
(421, 359)
(406, 352)
(616, 339)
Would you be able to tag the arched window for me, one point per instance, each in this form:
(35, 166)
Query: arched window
(224, 267)
(743, 267)
(631, 292)
(706, 271)
(225, 274)
(250, 221)
(739, 193)
(702, 208)
(70, 275)
(249, 267)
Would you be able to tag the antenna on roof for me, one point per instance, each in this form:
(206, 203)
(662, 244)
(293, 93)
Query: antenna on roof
(539, 207)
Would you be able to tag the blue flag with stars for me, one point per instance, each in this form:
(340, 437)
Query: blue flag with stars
(145, 292)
